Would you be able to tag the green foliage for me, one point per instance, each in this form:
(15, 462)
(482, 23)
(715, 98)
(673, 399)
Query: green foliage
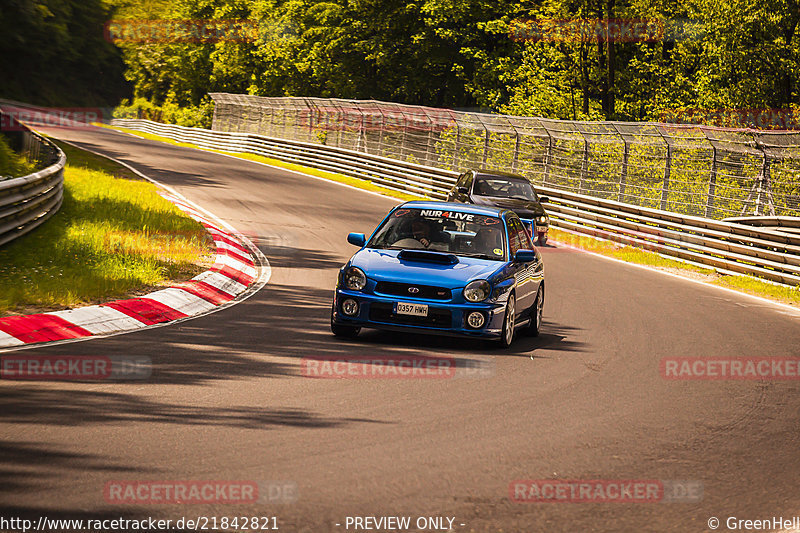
(52, 52)
(12, 164)
(443, 53)
(198, 116)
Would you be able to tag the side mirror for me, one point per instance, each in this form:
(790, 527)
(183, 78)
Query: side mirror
(544, 199)
(357, 239)
(463, 190)
(524, 256)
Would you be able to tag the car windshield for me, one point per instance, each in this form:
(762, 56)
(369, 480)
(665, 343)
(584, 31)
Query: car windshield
(452, 232)
(505, 188)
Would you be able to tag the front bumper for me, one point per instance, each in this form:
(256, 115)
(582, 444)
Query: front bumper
(444, 318)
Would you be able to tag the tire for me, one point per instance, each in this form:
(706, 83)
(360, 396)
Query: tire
(509, 320)
(345, 332)
(541, 240)
(536, 313)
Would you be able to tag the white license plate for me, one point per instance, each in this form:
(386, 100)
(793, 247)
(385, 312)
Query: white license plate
(401, 308)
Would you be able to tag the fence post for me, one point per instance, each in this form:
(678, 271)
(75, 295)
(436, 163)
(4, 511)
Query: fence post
(515, 161)
(403, 138)
(623, 176)
(712, 182)
(667, 171)
(271, 110)
(380, 132)
(362, 138)
(584, 164)
(429, 138)
(297, 120)
(485, 143)
(764, 192)
(456, 144)
(548, 156)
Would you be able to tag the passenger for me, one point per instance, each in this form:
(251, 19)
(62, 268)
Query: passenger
(487, 240)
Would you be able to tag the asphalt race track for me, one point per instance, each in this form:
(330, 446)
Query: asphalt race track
(584, 401)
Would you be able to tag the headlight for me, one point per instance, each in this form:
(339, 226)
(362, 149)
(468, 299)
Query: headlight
(477, 291)
(542, 219)
(355, 279)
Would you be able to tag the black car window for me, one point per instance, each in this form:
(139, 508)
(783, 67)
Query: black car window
(500, 187)
(524, 236)
(514, 241)
(468, 182)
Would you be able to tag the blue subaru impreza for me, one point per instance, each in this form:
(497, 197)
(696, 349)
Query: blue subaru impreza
(442, 268)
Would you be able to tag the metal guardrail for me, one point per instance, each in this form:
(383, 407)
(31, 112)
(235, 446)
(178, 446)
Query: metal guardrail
(784, 224)
(28, 201)
(684, 168)
(727, 246)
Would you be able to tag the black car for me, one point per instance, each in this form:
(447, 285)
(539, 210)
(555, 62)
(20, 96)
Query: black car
(503, 189)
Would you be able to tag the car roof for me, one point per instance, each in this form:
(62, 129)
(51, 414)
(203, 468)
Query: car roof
(454, 206)
(498, 174)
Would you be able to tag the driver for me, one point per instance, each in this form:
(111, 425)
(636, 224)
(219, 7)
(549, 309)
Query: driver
(421, 231)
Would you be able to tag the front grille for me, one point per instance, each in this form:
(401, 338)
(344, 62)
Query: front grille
(426, 292)
(382, 312)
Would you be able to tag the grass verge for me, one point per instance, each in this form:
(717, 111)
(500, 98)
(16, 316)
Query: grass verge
(113, 237)
(746, 284)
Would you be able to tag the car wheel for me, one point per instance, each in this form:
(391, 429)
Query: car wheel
(340, 330)
(536, 313)
(347, 332)
(507, 336)
(542, 240)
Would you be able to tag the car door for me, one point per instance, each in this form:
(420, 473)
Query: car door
(526, 273)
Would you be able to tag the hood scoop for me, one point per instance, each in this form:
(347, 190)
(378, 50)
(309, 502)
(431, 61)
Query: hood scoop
(425, 256)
